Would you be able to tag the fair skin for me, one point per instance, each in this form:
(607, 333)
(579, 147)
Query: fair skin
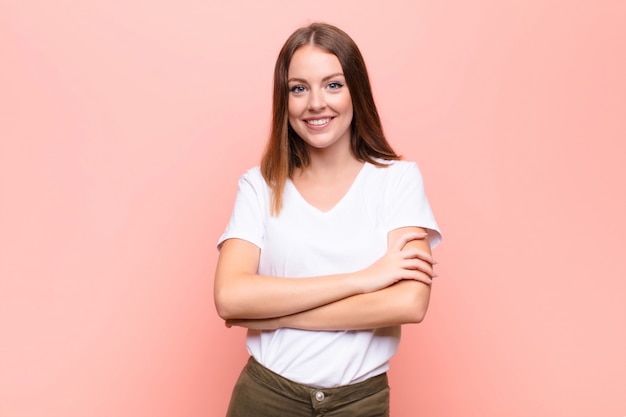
(320, 111)
(393, 290)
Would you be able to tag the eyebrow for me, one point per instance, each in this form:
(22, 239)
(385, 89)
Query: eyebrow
(328, 77)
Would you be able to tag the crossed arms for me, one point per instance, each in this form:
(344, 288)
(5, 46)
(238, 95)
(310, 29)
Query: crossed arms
(393, 290)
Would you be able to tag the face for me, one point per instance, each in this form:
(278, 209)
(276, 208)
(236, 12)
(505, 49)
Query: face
(320, 106)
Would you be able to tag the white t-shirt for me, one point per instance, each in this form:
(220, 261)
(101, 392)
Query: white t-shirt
(303, 241)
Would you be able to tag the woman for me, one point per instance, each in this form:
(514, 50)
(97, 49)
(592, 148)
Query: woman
(327, 251)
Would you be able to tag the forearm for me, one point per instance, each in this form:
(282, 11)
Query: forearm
(402, 303)
(240, 293)
(256, 297)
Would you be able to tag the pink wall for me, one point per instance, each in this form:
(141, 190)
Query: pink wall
(125, 125)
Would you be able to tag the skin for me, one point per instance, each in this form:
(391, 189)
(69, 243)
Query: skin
(404, 302)
(393, 290)
(318, 93)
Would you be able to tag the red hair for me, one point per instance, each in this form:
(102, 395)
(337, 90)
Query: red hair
(285, 150)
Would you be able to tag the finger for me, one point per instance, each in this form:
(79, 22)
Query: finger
(417, 265)
(415, 253)
(407, 237)
(419, 276)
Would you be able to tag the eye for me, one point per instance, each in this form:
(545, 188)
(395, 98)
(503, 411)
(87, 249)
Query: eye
(335, 85)
(297, 89)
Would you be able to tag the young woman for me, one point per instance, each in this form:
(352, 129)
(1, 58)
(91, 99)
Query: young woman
(327, 251)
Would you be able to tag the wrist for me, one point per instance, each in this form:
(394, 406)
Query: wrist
(354, 283)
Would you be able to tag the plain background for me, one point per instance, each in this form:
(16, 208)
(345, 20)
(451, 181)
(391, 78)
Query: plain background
(124, 127)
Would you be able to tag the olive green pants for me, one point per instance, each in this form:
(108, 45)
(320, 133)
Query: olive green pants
(260, 392)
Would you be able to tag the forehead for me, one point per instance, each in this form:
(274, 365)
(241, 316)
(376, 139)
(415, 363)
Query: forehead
(310, 61)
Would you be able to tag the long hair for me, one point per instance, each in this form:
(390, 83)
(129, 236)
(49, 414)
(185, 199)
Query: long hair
(285, 150)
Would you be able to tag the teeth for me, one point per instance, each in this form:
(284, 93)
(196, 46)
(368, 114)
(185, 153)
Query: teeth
(318, 122)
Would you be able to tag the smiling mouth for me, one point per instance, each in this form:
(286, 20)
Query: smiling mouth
(318, 122)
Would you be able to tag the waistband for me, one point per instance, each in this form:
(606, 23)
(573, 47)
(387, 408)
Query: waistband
(338, 396)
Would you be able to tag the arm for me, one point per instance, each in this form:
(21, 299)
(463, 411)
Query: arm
(240, 293)
(403, 302)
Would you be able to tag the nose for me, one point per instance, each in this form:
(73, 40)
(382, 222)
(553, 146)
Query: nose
(316, 100)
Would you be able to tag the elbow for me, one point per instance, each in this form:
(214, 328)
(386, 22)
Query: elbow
(416, 303)
(233, 299)
(223, 313)
(417, 315)
(221, 309)
(224, 306)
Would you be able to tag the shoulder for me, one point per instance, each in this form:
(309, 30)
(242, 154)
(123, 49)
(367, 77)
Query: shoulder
(253, 177)
(394, 165)
(394, 170)
(253, 187)
(253, 174)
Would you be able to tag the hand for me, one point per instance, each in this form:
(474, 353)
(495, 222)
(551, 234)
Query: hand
(399, 264)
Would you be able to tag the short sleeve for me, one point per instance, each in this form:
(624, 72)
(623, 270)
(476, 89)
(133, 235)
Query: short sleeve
(406, 201)
(247, 220)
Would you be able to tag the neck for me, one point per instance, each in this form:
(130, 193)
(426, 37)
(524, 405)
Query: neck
(324, 164)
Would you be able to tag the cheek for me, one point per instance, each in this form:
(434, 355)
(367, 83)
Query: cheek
(343, 104)
(348, 103)
(294, 107)
(293, 114)
(292, 119)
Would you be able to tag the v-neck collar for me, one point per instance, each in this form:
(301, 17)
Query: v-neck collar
(339, 202)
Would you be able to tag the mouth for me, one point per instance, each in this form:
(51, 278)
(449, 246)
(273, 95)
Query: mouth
(318, 122)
